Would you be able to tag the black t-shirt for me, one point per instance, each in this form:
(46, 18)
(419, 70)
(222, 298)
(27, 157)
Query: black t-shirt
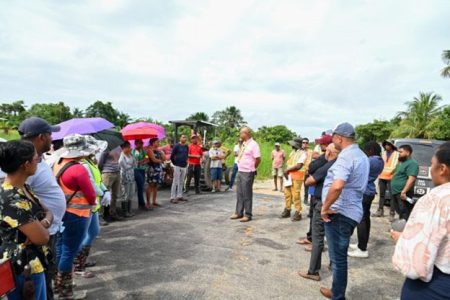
(319, 176)
(316, 164)
(179, 155)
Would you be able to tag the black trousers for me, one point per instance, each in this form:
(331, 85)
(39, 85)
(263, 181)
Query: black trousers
(310, 216)
(318, 236)
(403, 207)
(193, 171)
(363, 228)
(51, 269)
(384, 185)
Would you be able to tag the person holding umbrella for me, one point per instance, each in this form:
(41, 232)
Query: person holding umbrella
(154, 172)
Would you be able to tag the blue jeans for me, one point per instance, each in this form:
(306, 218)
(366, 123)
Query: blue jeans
(338, 232)
(437, 288)
(233, 175)
(139, 176)
(69, 241)
(216, 174)
(38, 283)
(92, 231)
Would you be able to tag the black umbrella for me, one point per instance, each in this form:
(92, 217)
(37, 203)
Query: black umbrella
(113, 137)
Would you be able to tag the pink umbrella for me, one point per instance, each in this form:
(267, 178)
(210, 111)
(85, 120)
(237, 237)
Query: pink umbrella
(145, 125)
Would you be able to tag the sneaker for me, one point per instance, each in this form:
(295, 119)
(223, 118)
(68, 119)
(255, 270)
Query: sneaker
(235, 217)
(353, 246)
(359, 253)
(213, 191)
(286, 214)
(309, 276)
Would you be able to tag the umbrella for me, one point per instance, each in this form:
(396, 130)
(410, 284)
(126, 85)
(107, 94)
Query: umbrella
(113, 137)
(81, 126)
(139, 133)
(159, 129)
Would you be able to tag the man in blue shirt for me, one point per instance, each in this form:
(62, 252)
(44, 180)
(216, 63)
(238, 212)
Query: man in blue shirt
(342, 210)
(179, 158)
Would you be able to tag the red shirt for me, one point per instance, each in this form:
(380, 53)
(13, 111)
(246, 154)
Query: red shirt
(195, 150)
(77, 178)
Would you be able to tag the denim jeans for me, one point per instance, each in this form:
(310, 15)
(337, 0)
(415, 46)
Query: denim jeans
(38, 283)
(338, 232)
(437, 288)
(69, 241)
(233, 175)
(139, 176)
(92, 231)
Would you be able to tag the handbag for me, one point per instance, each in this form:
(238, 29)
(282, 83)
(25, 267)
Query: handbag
(6, 278)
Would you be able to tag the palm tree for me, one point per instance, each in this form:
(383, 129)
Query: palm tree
(198, 116)
(416, 119)
(446, 58)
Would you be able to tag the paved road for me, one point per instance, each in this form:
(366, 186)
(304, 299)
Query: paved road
(193, 251)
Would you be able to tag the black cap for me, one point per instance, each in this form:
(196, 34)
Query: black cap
(34, 126)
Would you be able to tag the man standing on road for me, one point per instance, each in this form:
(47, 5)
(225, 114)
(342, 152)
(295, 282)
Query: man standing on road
(216, 156)
(195, 154)
(278, 158)
(390, 158)
(248, 161)
(139, 172)
(342, 210)
(292, 193)
(179, 158)
(44, 185)
(109, 165)
(402, 184)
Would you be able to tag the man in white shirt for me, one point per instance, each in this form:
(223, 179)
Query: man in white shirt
(216, 156)
(44, 185)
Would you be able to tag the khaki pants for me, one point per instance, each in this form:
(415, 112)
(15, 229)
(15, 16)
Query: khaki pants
(112, 183)
(292, 195)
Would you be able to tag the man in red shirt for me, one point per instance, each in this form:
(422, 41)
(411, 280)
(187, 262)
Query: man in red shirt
(195, 155)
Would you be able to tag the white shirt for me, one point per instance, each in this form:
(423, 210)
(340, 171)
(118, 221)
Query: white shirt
(215, 152)
(236, 151)
(44, 185)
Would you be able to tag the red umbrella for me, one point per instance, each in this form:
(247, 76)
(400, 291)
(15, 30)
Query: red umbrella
(139, 133)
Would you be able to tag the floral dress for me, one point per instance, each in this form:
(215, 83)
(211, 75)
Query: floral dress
(155, 171)
(17, 209)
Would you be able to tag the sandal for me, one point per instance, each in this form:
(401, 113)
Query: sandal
(157, 204)
(174, 201)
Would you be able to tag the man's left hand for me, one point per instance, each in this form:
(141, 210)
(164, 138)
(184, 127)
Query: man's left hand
(325, 214)
(403, 196)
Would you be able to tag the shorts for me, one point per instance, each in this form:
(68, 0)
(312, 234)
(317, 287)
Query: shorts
(216, 174)
(277, 172)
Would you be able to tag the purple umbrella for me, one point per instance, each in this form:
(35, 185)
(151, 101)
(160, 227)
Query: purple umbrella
(81, 126)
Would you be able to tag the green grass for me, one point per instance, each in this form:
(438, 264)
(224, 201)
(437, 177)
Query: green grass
(12, 135)
(265, 168)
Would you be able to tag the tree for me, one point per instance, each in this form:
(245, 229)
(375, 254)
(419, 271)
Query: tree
(274, 134)
(14, 112)
(378, 130)
(77, 113)
(446, 58)
(198, 116)
(53, 113)
(440, 126)
(229, 122)
(415, 121)
(103, 110)
(123, 119)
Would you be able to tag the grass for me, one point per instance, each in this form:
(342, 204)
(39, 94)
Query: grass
(265, 168)
(12, 135)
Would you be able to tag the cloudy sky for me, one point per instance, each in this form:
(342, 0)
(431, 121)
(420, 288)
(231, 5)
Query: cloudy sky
(306, 64)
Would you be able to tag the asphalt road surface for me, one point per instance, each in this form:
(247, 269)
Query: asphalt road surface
(194, 251)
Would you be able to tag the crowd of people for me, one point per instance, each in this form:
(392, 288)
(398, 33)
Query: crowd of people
(52, 206)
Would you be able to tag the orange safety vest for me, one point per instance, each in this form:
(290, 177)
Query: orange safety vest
(293, 160)
(389, 165)
(76, 201)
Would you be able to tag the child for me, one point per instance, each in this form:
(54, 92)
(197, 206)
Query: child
(216, 156)
(127, 164)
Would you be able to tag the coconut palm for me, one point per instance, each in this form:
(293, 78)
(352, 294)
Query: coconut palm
(446, 58)
(415, 121)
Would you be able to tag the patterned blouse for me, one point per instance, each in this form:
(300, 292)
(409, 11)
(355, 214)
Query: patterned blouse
(17, 209)
(425, 241)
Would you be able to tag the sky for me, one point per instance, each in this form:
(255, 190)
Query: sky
(305, 64)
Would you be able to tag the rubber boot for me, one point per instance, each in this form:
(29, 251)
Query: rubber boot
(106, 214)
(130, 213)
(65, 283)
(80, 266)
(124, 211)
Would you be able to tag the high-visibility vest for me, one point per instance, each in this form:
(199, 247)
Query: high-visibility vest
(389, 165)
(76, 201)
(97, 176)
(305, 167)
(294, 156)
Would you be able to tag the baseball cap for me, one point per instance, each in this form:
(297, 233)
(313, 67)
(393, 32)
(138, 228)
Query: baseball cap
(345, 129)
(34, 126)
(277, 144)
(325, 140)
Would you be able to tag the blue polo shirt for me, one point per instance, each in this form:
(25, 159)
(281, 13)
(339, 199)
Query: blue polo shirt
(351, 166)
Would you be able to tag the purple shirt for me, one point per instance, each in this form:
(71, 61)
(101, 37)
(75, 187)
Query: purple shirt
(247, 158)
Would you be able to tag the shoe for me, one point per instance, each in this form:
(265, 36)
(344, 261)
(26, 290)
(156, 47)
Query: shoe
(379, 213)
(304, 241)
(197, 191)
(309, 276)
(65, 287)
(116, 218)
(391, 217)
(182, 199)
(326, 292)
(297, 217)
(174, 201)
(235, 217)
(308, 248)
(103, 222)
(274, 190)
(353, 246)
(245, 219)
(130, 213)
(227, 189)
(213, 191)
(90, 264)
(286, 214)
(358, 253)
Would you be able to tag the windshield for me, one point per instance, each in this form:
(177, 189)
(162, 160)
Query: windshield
(422, 153)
